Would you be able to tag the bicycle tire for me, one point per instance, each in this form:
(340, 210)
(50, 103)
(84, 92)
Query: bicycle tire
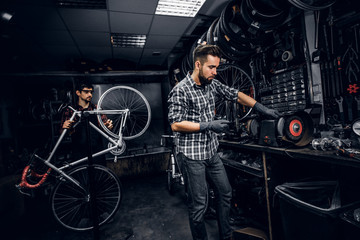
(235, 77)
(124, 97)
(170, 180)
(71, 206)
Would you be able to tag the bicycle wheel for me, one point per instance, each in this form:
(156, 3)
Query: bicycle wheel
(71, 205)
(235, 77)
(121, 98)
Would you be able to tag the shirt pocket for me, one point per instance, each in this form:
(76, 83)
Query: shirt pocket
(197, 108)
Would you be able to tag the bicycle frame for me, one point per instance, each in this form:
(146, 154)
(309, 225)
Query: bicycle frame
(71, 196)
(116, 143)
(173, 161)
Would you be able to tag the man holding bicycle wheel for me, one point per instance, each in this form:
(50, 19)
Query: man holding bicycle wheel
(191, 116)
(84, 92)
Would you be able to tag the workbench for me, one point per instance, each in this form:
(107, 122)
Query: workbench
(305, 157)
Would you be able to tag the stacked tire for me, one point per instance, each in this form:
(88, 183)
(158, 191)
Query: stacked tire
(246, 25)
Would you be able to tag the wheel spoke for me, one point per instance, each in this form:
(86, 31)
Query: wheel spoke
(235, 77)
(71, 207)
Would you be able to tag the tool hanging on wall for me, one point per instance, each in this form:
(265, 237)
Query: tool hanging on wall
(349, 104)
(329, 65)
(339, 101)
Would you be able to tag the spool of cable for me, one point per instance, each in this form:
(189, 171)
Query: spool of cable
(277, 53)
(287, 56)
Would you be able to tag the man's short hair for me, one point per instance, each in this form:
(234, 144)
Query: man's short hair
(83, 84)
(202, 51)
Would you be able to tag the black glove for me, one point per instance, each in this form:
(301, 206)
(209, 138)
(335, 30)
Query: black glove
(267, 111)
(217, 126)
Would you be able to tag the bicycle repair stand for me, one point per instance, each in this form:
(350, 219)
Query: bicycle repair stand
(125, 233)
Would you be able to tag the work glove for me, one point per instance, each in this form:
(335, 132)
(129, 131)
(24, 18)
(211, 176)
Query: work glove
(218, 126)
(266, 111)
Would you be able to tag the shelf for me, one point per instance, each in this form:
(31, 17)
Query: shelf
(258, 172)
(304, 153)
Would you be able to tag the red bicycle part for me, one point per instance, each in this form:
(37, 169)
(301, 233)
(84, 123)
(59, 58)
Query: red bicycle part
(295, 127)
(24, 182)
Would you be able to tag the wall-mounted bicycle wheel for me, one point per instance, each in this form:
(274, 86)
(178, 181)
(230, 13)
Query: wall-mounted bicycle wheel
(234, 76)
(71, 204)
(124, 97)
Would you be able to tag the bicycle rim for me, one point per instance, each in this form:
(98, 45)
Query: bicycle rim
(124, 97)
(233, 76)
(71, 205)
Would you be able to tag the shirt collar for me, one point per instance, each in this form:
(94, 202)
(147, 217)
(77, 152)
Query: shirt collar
(191, 80)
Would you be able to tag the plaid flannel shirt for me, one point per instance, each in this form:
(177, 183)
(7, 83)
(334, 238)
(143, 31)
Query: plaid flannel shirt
(68, 113)
(190, 102)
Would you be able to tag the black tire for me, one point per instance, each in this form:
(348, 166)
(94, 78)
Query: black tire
(234, 76)
(70, 204)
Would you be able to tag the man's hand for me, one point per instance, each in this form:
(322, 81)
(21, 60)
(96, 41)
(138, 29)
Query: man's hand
(109, 124)
(267, 111)
(68, 124)
(218, 126)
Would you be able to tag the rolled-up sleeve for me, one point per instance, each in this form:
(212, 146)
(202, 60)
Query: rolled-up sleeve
(177, 105)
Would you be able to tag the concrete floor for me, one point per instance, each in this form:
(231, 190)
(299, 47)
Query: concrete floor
(147, 212)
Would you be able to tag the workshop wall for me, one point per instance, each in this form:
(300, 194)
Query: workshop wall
(30, 119)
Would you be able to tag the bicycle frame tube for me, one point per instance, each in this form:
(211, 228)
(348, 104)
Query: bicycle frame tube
(62, 135)
(124, 114)
(63, 174)
(116, 145)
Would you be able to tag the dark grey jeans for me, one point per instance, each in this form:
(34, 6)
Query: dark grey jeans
(196, 174)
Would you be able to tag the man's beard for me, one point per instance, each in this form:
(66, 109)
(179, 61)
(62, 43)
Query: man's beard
(87, 100)
(204, 81)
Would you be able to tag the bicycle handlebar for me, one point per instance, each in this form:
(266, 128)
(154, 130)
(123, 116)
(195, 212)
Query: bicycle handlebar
(24, 183)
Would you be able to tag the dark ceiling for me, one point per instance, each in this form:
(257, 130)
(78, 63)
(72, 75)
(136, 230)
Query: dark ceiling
(43, 36)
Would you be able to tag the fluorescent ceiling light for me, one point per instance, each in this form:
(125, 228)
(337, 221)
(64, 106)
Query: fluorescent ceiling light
(183, 8)
(128, 40)
(6, 16)
(82, 4)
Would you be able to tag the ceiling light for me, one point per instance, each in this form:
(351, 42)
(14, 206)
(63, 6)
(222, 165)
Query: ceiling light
(183, 8)
(82, 4)
(128, 40)
(6, 16)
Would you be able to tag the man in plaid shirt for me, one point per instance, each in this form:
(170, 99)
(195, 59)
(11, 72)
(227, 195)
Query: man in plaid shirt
(84, 91)
(191, 116)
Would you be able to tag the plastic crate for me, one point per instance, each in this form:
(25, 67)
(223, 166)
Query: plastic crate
(310, 210)
(351, 223)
